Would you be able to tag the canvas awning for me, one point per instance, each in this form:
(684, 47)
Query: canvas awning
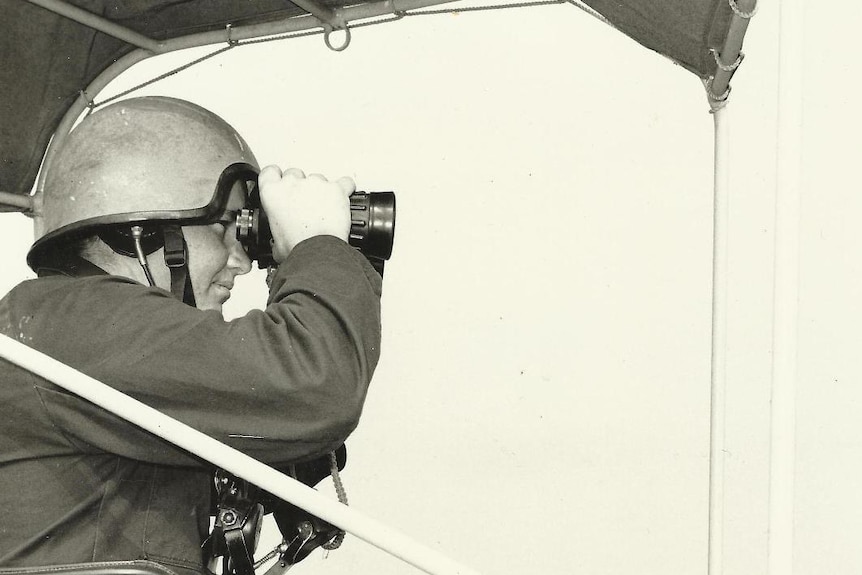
(49, 58)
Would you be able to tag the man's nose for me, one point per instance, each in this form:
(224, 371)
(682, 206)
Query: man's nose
(237, 259)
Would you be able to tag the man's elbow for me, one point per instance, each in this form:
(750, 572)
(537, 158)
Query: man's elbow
(342, 403)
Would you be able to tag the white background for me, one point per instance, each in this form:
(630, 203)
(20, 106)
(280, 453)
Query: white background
(542, 401)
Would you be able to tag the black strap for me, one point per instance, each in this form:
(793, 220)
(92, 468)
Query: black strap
(176, 258)
(237, 525)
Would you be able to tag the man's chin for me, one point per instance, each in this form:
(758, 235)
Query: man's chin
(210, 303)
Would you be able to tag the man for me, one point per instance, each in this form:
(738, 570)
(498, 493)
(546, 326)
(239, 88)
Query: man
(136, 254)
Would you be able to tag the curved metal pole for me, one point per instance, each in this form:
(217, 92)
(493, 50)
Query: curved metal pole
(81, 103)
(234, 461)
(718, 379)
(228, 35)
(17, 201)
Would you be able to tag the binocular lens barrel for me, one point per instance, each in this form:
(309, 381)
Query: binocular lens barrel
(372, 228)
(372, 223)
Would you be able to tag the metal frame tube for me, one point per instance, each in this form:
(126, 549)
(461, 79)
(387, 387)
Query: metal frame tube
(718, 378)
(99, 23)
(298, 23)
(731, 49)
(322, 13)
(239, 33)
(234, 461)
(19, 201)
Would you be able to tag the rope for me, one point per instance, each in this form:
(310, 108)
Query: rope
(92, 105)
(716, 102)
(398, 16)
(336, 478)
(715, 97)
(336, 541)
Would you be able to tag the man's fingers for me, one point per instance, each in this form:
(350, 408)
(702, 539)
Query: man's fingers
(295, 172)
(347, 185)
(269, 175)
(272, 173)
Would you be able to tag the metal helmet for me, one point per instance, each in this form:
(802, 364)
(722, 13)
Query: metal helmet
(150, 160)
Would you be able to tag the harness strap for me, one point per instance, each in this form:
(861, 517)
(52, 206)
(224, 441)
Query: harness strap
(176, 258)
(241, 538)
(237, 524)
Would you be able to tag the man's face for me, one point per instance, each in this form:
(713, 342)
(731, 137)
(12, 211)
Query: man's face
(215, 255)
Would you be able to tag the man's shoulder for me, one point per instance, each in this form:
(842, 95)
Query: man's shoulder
(79, 320)
(61, 294)
(56, 284)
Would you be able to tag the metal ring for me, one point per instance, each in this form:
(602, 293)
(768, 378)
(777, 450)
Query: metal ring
(343, 46)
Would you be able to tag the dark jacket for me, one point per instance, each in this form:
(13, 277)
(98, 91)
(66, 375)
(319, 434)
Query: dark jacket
(286, 384)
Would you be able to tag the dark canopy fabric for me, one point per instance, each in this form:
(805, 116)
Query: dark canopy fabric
(683, 30)
(48, 59)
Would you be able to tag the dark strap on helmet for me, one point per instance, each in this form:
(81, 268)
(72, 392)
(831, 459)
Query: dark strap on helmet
(176, 258)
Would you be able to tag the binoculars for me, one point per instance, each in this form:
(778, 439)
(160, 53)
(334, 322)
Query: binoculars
(372, 228)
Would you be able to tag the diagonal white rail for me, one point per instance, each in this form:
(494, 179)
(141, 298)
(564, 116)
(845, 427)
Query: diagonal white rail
(236, 462)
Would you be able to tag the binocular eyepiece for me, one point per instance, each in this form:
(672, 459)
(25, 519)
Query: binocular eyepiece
(372, 228)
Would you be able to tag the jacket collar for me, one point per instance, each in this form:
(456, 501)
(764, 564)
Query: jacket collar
(74, 266)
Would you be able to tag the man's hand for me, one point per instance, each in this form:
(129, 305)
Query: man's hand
(300, 207)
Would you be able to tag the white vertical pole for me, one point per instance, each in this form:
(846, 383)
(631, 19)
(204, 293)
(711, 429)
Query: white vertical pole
(785, 320)
(719, 344)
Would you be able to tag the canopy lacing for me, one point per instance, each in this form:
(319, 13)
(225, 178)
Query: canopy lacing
(722, 65)
(739, 12)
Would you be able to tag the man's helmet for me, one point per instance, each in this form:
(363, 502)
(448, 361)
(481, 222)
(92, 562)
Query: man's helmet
(154, 162)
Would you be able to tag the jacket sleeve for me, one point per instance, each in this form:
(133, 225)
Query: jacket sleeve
(282, 384)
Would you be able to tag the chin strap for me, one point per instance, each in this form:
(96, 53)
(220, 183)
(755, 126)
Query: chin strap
(176, 258)
(141, 241)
